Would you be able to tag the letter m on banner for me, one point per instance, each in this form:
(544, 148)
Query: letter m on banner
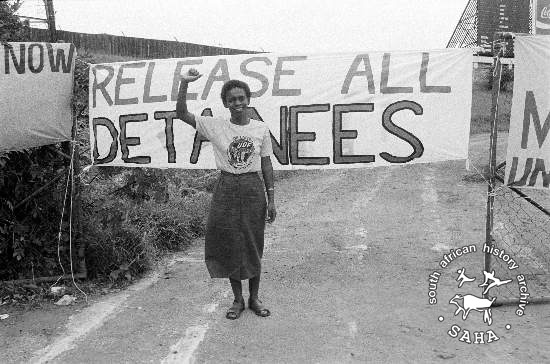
(528, 155)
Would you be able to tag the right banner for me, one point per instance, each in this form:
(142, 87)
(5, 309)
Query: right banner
(528, 153)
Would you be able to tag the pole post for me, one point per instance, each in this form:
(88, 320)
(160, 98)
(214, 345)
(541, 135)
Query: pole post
(497, 72)
(50, 15)
(75, 195)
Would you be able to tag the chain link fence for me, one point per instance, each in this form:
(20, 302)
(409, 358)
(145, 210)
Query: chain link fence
(521, 232)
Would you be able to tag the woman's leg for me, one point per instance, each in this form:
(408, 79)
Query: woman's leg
(253, 302)
(238, 303)
(254, 287)
(237, 287)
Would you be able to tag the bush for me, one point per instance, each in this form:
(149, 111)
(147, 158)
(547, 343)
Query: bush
(29, 230)
(129, 228)
(129, 217)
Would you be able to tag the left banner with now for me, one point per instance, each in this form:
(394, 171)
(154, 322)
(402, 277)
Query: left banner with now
(341, 110)
(36, 87)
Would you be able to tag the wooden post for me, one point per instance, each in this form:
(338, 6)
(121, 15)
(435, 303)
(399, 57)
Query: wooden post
(492, 160)
(75, 195)
(50, 15)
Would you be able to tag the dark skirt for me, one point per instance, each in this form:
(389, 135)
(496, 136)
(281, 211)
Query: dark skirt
(234, 242)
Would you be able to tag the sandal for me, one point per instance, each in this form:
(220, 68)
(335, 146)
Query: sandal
(235, 310)
(259, 309)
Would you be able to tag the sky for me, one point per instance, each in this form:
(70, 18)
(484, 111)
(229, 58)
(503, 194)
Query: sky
(279, 26)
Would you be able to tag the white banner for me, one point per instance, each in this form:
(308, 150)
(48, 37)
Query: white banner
(36, 85)
(528, 153)
(324, 111)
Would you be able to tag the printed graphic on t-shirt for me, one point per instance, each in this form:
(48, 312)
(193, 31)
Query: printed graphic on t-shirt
(240, 152)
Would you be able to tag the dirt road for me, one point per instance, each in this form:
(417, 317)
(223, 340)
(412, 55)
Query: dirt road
(346, 276)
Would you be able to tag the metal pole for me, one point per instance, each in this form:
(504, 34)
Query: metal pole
(492, 159)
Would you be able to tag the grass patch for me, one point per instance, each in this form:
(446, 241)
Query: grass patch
(133, 217)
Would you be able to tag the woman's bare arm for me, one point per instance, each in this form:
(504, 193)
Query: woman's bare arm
(181, 105)
(267, 172)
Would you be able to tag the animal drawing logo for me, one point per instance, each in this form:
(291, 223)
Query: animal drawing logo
(240, 152)
(464, 300)
(471, 302)
(495, 282)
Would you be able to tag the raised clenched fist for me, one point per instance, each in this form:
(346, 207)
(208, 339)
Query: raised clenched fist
(191, 75)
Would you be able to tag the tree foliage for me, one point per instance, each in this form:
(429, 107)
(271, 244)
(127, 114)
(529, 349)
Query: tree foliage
(11, 28)
(127, 218)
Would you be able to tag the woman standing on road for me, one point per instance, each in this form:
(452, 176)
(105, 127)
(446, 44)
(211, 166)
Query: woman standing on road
(234, 240)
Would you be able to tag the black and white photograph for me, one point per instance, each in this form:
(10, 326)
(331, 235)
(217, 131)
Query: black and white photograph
(238, 181)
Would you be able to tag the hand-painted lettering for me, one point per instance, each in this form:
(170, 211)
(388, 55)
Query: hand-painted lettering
(177, 78)
(114, 140)
(384, 88)
(531, 113)
(18, 64)
(221, 65)
(258, 76)
(199, 139)
(296, 137)
(168, 117)
(280, 150)
(147, 98)
(530, 173)
(387, 123)
(126, 141)
(279, 71)
(31, 57)
(102, 86)
(59, 59)
(354, 71)
(120, 80)
(339, 134)
(423, 72)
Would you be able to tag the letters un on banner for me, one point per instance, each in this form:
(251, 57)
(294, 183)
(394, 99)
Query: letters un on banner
(36, 86)
(528, 153)
(323, 111)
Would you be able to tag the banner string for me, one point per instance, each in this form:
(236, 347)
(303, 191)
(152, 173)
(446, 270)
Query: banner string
(70, 178)
(485, 179)
(71, 171)
(61, 229)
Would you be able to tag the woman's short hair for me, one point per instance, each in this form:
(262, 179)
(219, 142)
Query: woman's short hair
(231, 84)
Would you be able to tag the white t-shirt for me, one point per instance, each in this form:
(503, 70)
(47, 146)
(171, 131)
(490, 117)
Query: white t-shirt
(237, 148)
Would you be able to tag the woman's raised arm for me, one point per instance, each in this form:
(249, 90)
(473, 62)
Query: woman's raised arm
(181, 106)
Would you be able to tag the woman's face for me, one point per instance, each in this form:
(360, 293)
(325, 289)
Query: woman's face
(236, 100)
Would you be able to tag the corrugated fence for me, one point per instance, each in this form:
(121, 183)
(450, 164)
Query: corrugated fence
(142, 48)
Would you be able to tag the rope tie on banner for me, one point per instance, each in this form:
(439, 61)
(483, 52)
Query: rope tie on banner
(496, 190)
